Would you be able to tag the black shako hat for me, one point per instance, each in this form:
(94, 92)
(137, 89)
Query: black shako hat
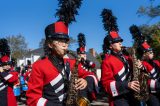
(139, 40)
(145, 47)
(57, 30)
(82, 44)
(66, 15)
(4, 52)
(110, 25)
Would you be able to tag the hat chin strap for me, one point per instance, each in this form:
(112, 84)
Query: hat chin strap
(116, 51)
(58, 50)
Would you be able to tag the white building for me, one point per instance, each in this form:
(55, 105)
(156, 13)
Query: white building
(36, 54)
(33, 56)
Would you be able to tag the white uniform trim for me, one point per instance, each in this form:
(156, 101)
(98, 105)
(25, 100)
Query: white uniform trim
(121, 71)
(41, 102)
(8, 77)
(56, 80)
(90, 63)
(66, 56)
(1, 88)
(84, 68)
(95, 79)
(61, 97)
(113, 88)
(152, 71)
(63, 71)
(155, 75)
(1, 84)
(123, 78)
(152, 86)
(59, 88)
(69, 72)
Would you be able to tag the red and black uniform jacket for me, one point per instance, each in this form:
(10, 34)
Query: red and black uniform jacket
(115, 74)
(47, 84)
(153, 68)
(83, 73)
(88, 65)
(27, 75)
(7, 80)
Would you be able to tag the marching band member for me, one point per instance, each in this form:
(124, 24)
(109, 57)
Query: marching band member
(116, 67)
(153, 68)
(88, 66)
(81, 51)
(48, 83)
(7, 76)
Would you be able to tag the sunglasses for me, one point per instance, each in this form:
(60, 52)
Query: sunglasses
(150, 52)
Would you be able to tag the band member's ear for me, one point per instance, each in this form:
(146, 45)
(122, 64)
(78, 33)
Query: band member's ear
(1, 69)
(50, 45)
(110, 47)
(144, 54)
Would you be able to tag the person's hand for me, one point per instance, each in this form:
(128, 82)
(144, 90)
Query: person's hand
(80, 84)
(139, 64)
(134, 85)
(79, 58)
(1, 69)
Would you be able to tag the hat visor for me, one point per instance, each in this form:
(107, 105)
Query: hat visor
(148, 50)
(81, 52)
(116, 40)
(58, 36)
(6, 63)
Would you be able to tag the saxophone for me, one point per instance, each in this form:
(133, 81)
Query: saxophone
(73, 99)
(142, 77)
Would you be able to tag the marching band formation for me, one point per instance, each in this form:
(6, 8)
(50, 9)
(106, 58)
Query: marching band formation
(130, 76)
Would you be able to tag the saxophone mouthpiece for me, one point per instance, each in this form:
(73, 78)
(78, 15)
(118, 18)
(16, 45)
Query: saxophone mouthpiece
(71, 53)
(67, 51)
(124, 47)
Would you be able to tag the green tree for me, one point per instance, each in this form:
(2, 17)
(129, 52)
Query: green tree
(99, 58)
(152, 34)
(17, 45)
(150, 11)
(156, 40)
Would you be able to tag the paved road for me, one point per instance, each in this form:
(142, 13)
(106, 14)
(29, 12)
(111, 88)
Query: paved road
(94, 103)
(99, 102)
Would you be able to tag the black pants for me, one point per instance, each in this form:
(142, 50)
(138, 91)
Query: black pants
(126, 100)
(154, 100)
(3, 97)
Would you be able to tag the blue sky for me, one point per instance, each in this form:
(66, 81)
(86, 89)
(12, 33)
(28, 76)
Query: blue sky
(30, 17)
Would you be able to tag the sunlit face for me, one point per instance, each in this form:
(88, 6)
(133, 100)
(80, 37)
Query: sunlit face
(59, 47)
(83, 56)
(6, 67)
(116, 47)
(150, 54)
(29, 69)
